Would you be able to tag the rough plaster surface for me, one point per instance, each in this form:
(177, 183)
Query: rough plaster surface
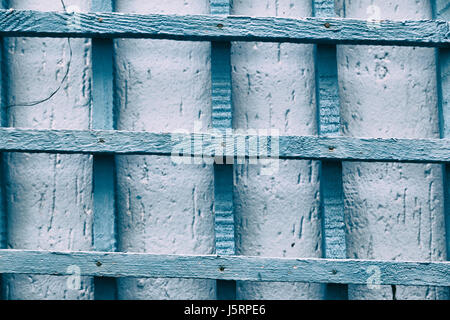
(393, 211)
(276, 215)
(164, 86)
(49, 197)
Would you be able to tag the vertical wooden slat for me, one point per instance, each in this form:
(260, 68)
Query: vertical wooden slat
(223, 173)
(2, 183)
(220, 6)
(332, 202)
(2, 124)
(442, 12)
(103, 118)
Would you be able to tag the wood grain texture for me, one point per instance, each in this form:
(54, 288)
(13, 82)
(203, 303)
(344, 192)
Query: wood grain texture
(220, 7)
(2, 123)
(444, 62)
(223, 28)
(3, 232)
(223, 174)
(291, 147)
(323, 8)
(103, 174)
(142, 265)
(102, 119)
(333, 210)
(221, 85)
(222, 119)
(102, 74)
(331, 188)
(331, 176)
(327, 90)
(223, 209)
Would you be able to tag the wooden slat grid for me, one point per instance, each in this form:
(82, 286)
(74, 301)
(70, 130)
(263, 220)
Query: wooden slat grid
(222, 119)
(103, 175)
(221, 29)
(332, 196)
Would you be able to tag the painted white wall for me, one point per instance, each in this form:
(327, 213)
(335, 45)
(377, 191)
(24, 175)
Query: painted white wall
(163, 86)
(49, 197)
(393, 211)
(276, 215)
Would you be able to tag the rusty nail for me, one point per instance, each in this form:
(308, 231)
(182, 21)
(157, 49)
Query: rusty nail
(98, 263)
(327, 25)
(221, 268)
(220, 26)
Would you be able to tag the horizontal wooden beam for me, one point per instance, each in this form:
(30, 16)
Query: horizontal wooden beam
(244, 268)
(211, 145)
(223, 28)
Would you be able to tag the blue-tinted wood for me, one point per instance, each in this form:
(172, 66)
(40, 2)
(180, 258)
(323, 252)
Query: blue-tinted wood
(3, 215)
(221, 85)
(291, 147)
(103, 175)
(442, 11)
(220, 6)
(104, 219)
(2, 123)
(323, 8)
(331, 188)
(244, 268)
(333, 210)
(102, 74)
(444, 61)
(223, 209)
(327, 90)
(224, 223)
(332, 205)
(223, 174)
(104, 208)
(224, 28)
